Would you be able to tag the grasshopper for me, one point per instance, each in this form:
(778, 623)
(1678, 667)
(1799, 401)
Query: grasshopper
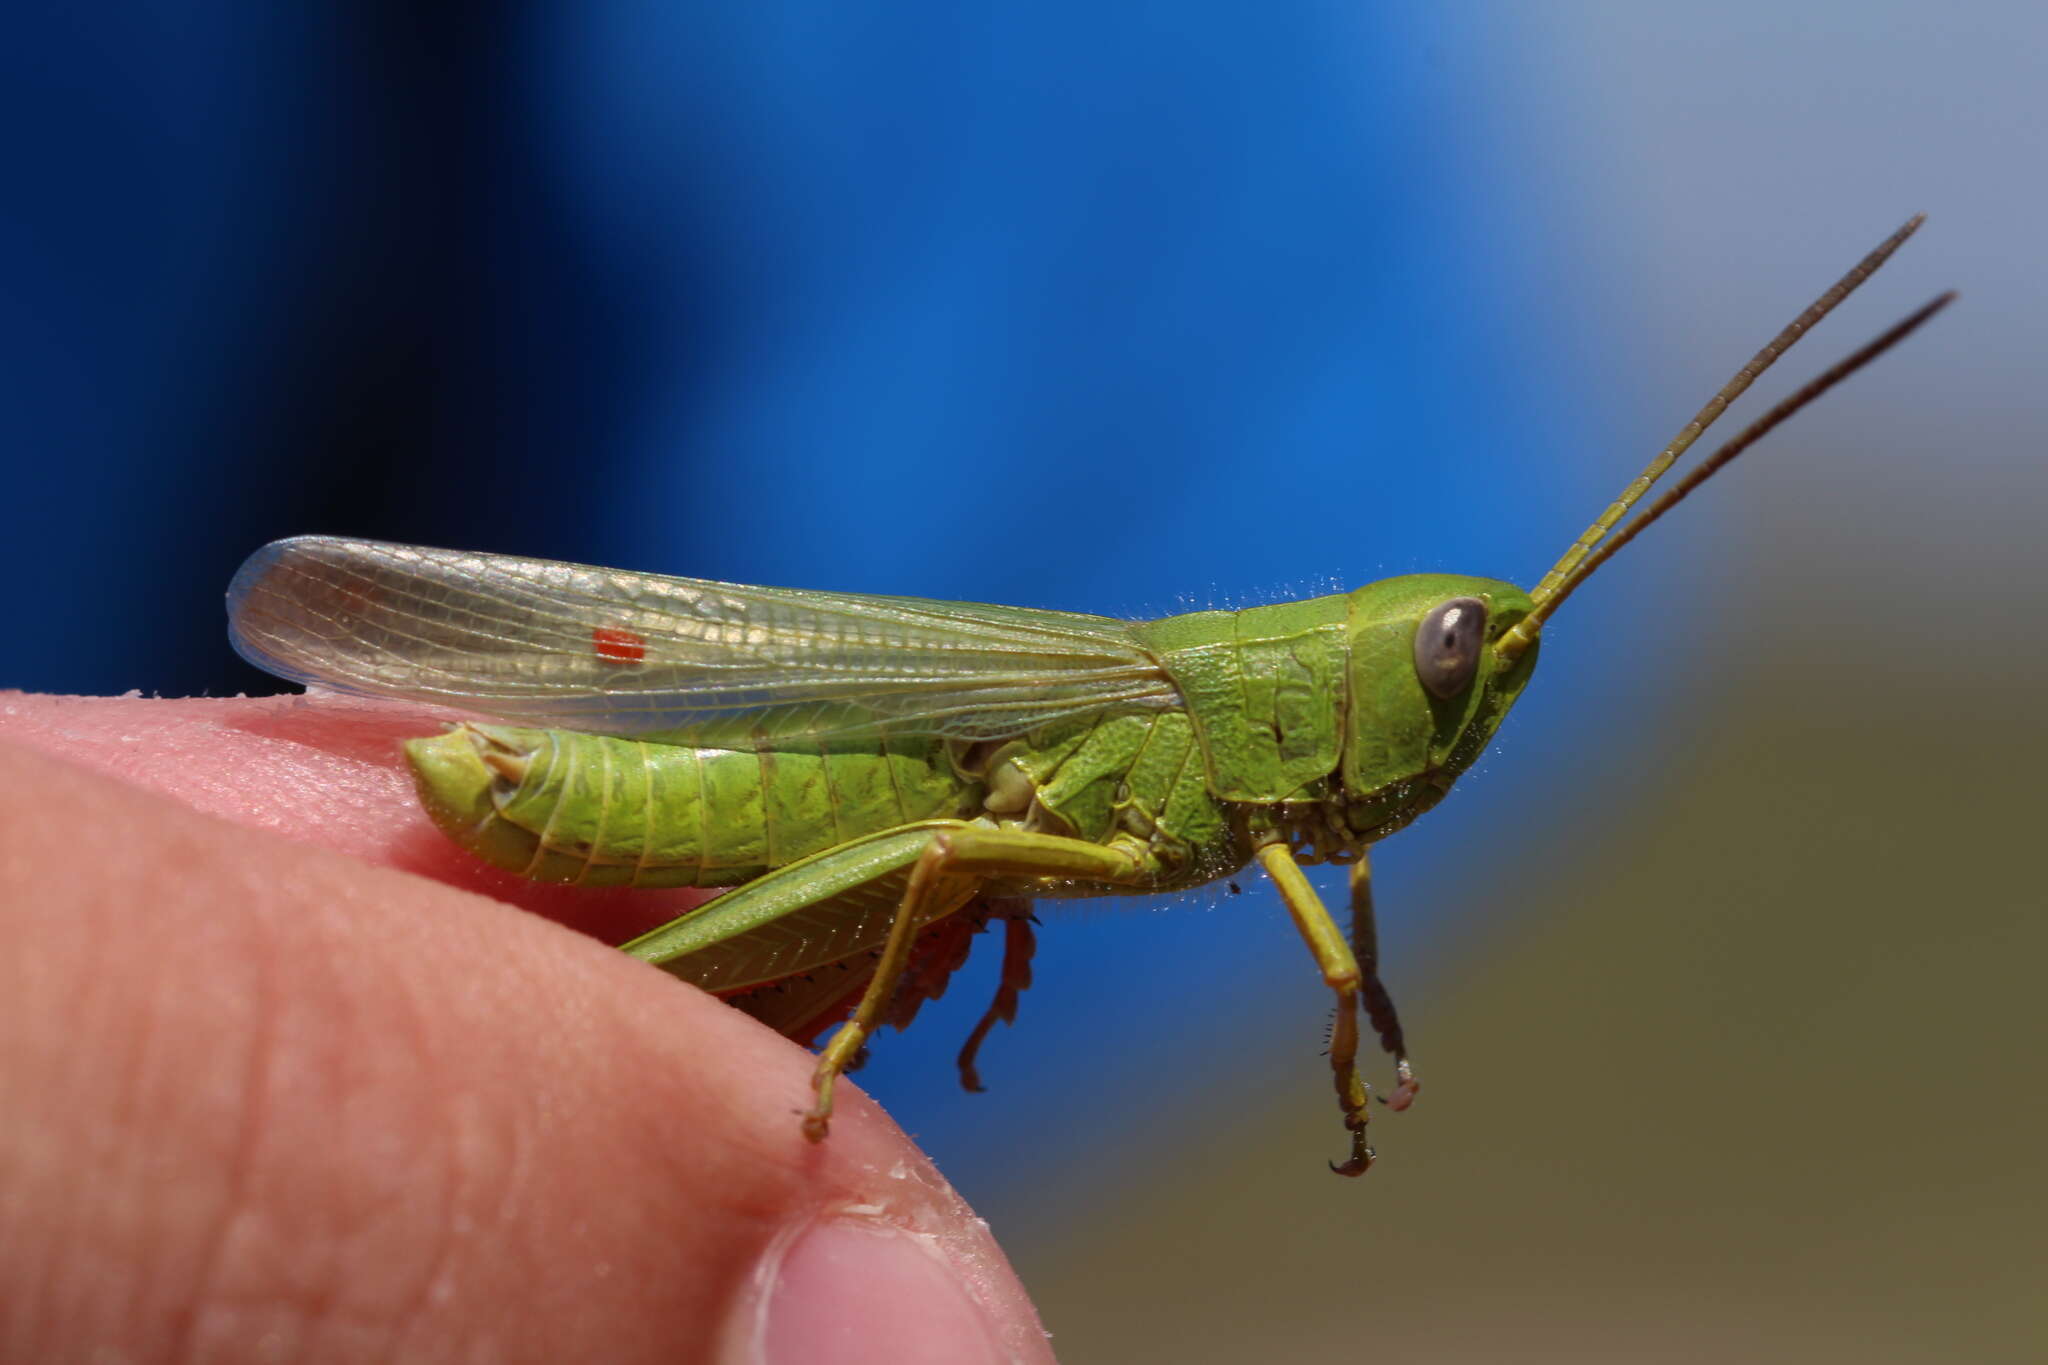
(870, 778)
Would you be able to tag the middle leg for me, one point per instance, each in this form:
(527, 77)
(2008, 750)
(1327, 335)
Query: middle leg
(952, 866)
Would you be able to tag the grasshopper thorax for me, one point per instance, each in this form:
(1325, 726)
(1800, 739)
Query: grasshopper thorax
(1334, 721)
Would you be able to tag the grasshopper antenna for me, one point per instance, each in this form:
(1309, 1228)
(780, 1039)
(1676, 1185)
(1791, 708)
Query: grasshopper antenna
(1732, 390)
(1588, 553)
(1755, 432)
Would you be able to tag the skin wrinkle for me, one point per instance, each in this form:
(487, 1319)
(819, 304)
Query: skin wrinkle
(68, 1240)
(267, 1235)
(213, 1274)
(413, 1312)
(210, 1278)
(130, 1179)
(439, 1278)
(160, 1297)
(521, 1175)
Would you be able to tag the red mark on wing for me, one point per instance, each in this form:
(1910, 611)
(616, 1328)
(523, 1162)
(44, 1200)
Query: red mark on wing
(618, 646)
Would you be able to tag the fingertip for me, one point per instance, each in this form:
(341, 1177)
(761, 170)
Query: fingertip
(863, 1291)
(317, 1101)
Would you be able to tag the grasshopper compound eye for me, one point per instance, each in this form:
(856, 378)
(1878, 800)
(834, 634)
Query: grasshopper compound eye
(1447, 645)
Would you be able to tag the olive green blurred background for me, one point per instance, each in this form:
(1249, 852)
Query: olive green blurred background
(1734, 1053)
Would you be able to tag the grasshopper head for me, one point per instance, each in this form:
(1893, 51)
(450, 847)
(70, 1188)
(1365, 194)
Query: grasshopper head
(1437, 660)
(1429, 685)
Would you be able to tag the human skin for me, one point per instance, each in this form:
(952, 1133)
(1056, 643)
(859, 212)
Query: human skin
(286, 1077)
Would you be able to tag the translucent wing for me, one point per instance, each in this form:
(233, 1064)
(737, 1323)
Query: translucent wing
(562, 645)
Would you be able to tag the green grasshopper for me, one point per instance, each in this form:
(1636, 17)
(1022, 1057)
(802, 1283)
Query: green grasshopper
(857, 769)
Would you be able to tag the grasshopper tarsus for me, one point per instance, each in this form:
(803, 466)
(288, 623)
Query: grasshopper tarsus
(1406, 1087)
(1356, 1166)
(1362, 1154)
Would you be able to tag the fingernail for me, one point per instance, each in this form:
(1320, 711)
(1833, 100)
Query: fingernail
(857, 1292)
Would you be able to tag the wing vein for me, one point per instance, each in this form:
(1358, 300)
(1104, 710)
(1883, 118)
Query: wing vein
(521, 639)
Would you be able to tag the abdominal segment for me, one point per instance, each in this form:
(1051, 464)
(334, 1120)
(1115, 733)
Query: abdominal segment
(561, 806)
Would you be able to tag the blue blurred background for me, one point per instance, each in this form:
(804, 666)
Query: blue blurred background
(1123, 309)
(1123, 313)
